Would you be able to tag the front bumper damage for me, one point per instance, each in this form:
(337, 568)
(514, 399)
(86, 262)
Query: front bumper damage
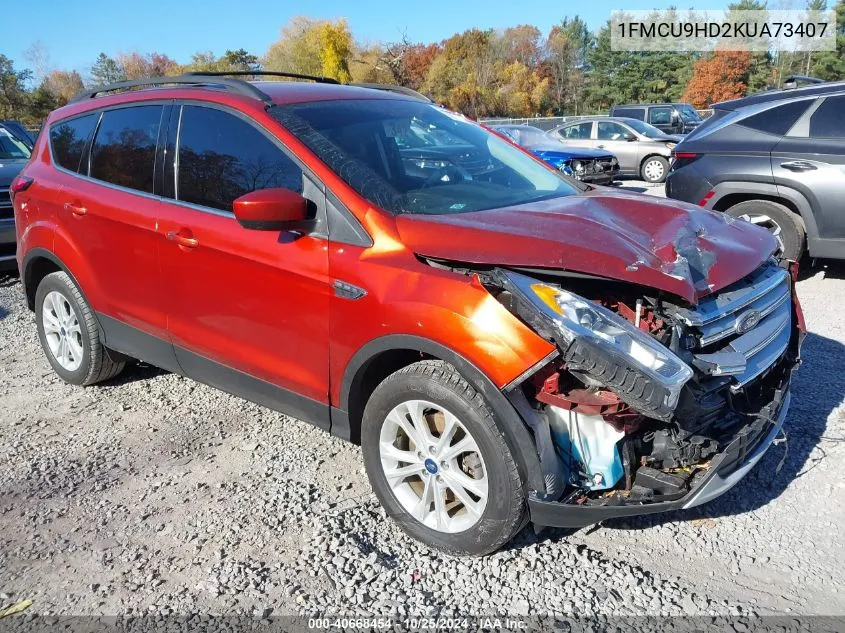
(726, 470)
(621, 446)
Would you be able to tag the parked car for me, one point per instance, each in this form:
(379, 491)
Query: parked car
(643, 151)
(14, 152)
(777, 159)
(20, 131)
(593, 166)
(508, 346)
(671, 118)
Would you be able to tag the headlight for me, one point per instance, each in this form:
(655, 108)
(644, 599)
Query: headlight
(578, 166)
(670, 145)
(566, 167)
(586, 328)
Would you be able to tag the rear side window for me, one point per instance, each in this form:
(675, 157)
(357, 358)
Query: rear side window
(123, 152)
(632, 113)
(222, 157)
(579, 131)
(828, 121)
(777, 120)
(68, 139)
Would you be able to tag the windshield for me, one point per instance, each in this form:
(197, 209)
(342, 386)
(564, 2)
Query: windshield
(688, 114)
(11, 147)
(466, 168)
(644, 128)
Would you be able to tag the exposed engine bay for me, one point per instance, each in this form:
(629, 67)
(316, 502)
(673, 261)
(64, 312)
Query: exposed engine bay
(646, 390)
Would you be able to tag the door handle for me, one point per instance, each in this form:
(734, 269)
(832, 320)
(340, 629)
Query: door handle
(798, 165)
(182, 240)
(75, 209)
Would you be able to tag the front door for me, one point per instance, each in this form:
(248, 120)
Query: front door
(661, 117)
(248, 310)
(813, 162)
(613, 137)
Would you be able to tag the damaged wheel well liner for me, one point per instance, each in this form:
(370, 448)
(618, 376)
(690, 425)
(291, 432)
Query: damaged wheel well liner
(385, 355)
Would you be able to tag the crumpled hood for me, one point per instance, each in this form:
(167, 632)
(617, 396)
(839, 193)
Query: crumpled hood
(665, 244)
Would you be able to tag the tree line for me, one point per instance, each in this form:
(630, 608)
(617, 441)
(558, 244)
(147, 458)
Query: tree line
(513, 72)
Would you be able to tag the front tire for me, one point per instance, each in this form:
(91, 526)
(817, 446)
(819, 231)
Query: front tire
(69, 333)
(787, 227)
(654, 169)
(439, 463)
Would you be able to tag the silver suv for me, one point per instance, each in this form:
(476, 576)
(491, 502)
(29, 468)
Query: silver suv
(643, 150)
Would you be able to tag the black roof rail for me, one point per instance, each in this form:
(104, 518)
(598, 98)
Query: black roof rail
(237, 86)
(408, 92)
(264, 73)
(793, 80)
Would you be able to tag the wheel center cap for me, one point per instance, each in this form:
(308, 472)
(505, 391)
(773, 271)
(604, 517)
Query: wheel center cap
(430, 466)
(63, 331)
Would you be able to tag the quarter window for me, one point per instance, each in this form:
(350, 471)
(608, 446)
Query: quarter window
(68, 140)
(828, 121)
(609, 131)
(580, 131)
(777, 120)
(123, 152)
(222, 157)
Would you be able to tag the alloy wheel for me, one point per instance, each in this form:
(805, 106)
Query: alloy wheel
(767, 223)
(433, 466)
(62, 330)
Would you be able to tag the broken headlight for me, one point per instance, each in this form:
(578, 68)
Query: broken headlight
(574, 318)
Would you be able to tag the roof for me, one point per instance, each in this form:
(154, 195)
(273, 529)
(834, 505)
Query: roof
(812, 90)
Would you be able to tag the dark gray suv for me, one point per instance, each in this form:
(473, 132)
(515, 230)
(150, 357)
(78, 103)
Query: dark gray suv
(776, 159)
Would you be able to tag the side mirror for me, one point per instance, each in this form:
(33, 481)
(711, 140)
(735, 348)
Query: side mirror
(273, 210)
(630, 137)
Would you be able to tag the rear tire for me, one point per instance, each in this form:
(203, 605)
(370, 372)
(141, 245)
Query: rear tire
(654, 169)
(478, 504)
(70, 335)
(777, 218)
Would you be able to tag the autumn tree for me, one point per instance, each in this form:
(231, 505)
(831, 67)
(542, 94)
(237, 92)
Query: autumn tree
(519, 44)
(63, 85)
(313, 47)
(720, 77)
(565, 62)
(409, 62)
(206, 61)
(139, 66)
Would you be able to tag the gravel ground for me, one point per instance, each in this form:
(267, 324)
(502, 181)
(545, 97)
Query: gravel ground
(155, 494)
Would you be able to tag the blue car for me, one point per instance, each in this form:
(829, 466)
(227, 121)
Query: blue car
(586, 164)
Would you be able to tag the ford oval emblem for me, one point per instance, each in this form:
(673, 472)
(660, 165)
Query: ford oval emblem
(748, 321)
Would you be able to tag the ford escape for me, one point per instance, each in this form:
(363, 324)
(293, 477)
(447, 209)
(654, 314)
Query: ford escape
(504, 342)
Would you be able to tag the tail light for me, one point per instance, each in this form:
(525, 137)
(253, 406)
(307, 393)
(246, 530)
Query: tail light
(21, 183)
(681, 159)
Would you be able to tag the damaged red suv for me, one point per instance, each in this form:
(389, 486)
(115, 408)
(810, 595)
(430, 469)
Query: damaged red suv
(504, 343)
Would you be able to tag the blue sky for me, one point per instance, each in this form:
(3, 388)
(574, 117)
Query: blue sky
(75, 31)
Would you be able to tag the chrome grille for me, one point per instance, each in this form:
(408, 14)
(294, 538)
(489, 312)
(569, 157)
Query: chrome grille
(754, 319)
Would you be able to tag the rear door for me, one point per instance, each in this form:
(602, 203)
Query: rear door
(611, 136)
(248, 310)
(811, 158)
(577, 134)
(110, 211)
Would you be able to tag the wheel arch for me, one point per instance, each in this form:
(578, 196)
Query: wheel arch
(728, 194)
(382, 356)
